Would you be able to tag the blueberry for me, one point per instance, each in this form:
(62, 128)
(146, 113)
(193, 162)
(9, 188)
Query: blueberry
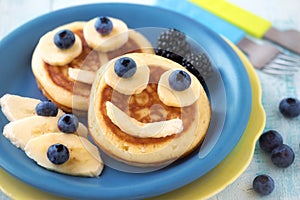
(263, 184)
(46, 108)
(103, 25)
(269, 140)
(64, 39)
(290, 107)
(125, 67)
(282, 156)
(68, 123)
(179, 80)
(58, 154)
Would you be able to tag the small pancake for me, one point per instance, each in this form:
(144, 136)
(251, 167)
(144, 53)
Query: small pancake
(146, 107)
(71, 95)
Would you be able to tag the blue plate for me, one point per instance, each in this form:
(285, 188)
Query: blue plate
(229, 90)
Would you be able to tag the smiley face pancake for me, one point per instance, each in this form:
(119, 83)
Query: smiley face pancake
(66, 59)
(146, 110)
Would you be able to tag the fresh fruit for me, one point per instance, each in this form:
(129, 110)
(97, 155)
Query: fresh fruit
(46, 108)
(103, 25)
(62, 54)
(282, 156)
(16, 107)
(290, 107)
(173, 41)
(199, 61)
(263, 184)
(270, 140)
(179, 80)
(125, 67)
(64, 39)
(143, 130)
(58, 154)
(182, 98)
(168, 54)
(128, 86)
(84, 158)
(68, 123)
(19, 132)
(118, 36)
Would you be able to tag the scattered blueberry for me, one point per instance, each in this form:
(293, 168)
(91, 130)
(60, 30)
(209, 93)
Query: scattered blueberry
(64, 39)
(282, 156)
(263, 184)
(103, 25)
(58, 154)
(46, 108)
(269, 140)
(290, 107)
(179, 80)
(68, 123)
(125, 67)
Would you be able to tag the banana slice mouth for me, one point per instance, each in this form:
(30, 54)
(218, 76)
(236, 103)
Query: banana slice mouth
(135, 128)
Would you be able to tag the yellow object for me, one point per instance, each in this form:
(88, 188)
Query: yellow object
(206, 186)
(249, 22)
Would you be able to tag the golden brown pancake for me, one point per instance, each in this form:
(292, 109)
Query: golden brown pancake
(71, 95)
(146, 107)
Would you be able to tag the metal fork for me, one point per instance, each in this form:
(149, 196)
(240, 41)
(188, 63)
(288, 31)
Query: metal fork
(269, 58)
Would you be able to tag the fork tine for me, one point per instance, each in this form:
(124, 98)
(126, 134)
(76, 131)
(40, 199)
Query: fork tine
(286, 63)
(277, 71)
(290, 58)
(277, 66)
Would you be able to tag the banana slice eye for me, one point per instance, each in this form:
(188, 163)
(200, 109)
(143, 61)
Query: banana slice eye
(178, 88)
(129, 78)
(105, 35)
(60, 47)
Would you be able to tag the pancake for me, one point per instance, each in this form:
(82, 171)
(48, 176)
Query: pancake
(146, 107)
(67, 93)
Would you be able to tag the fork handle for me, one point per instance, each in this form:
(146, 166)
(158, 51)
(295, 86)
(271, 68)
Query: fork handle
(249, 22)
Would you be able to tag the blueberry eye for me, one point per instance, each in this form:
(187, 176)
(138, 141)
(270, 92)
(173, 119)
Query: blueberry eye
(125, 67)
(179, 80)
(64, 39)
(103, 25)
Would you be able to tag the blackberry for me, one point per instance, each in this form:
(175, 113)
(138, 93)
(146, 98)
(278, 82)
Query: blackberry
(200, 62)
(169, 55)
(174, 41)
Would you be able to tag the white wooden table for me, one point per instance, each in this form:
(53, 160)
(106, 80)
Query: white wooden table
(283, 14)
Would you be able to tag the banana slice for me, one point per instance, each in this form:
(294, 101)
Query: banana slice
(81, 75)
(143, 130)
(105, 43)
(16, 107)
(84, 157)
(128, 86)
(21, 131)
(52, 55)
(183, 98)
